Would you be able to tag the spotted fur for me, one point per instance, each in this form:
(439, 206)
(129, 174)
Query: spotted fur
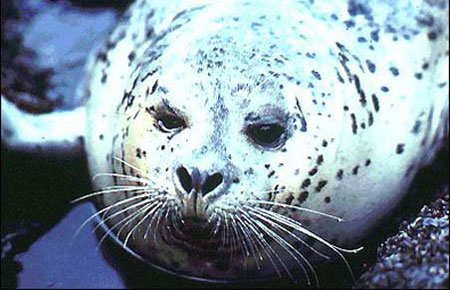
(361, 88)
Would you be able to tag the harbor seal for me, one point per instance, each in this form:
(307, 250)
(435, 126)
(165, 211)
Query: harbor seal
(237, 141)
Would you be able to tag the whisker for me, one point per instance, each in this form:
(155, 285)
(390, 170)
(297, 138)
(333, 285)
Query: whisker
(262, 241)
(252, 244)
(157, 222)
(243, 247)
(339, 219)
(135, 215)
(149, 226)
(150, 212)
(125, 219)
(310, 266)
(105, 219)
(166, 218)
(230, 235)
(296, 225)
(105, 191)
(311, 234)
(291, 250)
(131, 166)
(213, 230)
(124, 176)
(105, 209)
(297, 238)
(282, 243)
(174, 222)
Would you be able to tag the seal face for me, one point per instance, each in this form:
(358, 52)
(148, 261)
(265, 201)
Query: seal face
(236, 140)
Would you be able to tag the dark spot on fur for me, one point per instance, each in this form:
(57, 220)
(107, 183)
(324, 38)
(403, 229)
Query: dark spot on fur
(418, 76)
(432, 35)
(321, 184)
(362, 96)
(131, 56)
(427, 20)
(249, 171)
(138, 153)
(394, 71)
(327, 199)
(375, 102)
(311, 55)
(339, 174)
(354, 126)
(362, 39)
(316, 75)
(100, 136)
(102, 56)
(340, 79)
(306, 183)
(154, 87)
(374, 35)
(370, 119)
(367, 162)
(319, 160)
(385, 89)
(303, 196)
(400, 148)
(416, 128)
(355, 170)
(290, 199)
(356, 7)
(349, 23)
(371, 66)
(312, 171)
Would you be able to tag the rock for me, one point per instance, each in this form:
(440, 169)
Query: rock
(417, 256)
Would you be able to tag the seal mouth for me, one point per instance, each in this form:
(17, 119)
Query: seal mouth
(196, 234)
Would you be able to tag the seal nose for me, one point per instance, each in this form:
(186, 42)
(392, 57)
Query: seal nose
(185, 179)
(200, 182)
(211, 182)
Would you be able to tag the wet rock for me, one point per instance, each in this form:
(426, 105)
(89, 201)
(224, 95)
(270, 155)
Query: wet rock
(417, 256)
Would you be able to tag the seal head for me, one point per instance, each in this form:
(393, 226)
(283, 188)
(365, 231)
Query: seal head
(242, 142)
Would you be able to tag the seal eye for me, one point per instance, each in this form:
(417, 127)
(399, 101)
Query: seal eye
(169, 123)
(267, 135)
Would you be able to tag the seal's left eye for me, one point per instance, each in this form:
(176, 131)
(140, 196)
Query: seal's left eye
(169, 123)
(267, 135)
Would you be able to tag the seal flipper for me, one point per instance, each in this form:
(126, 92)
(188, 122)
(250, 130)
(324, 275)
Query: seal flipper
(56, 133)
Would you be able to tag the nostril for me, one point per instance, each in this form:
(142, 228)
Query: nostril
(185, 179)
(211, 183)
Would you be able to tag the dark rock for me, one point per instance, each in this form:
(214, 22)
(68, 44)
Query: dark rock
(417, 256)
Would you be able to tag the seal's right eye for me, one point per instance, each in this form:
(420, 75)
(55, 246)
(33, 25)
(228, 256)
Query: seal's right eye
(169, 123)
(267, 135)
